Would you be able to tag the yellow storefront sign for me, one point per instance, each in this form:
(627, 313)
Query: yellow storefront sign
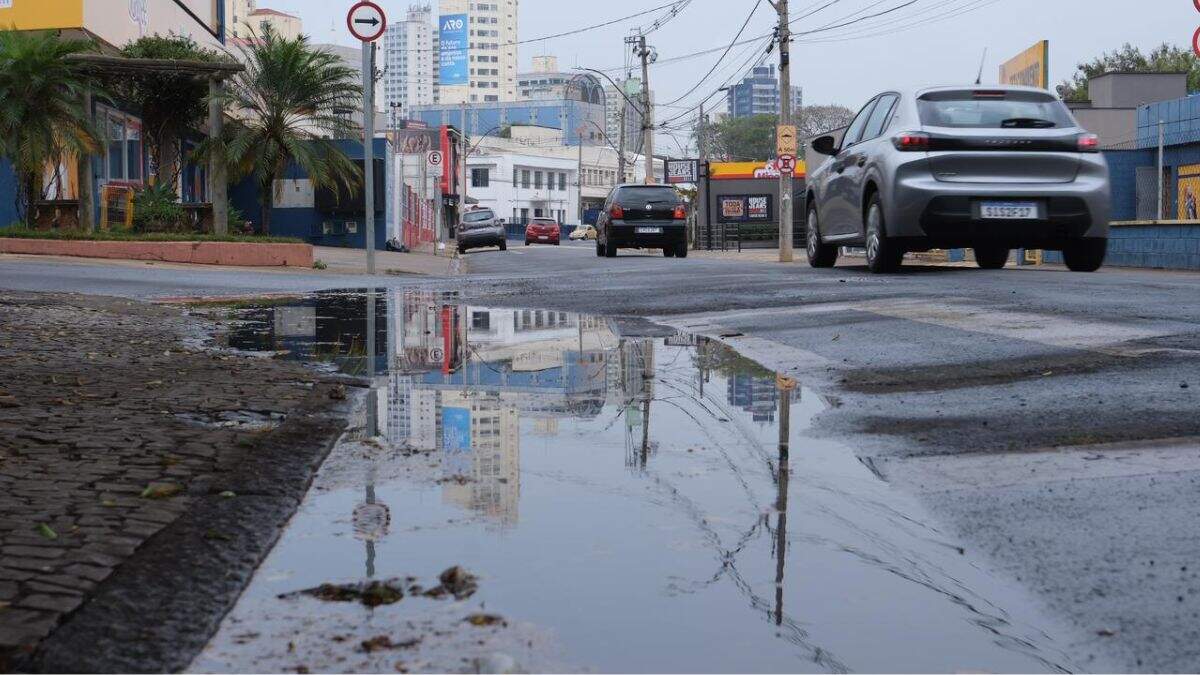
(41, 14)
(743, 170)
(1030, 68)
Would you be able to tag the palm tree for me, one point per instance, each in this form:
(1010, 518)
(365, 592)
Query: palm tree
(43, 117)
(287, 105)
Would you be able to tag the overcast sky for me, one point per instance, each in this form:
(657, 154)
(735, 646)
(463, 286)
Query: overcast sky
(924, 42)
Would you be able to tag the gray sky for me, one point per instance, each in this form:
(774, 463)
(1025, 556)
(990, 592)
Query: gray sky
(904, 48)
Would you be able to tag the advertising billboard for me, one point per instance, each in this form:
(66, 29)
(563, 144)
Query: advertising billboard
(1188, 196)
(1030, 68)
(452, 49)
(744, 208)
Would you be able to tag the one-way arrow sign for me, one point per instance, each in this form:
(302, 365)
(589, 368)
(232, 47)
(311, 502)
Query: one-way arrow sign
(363, 14)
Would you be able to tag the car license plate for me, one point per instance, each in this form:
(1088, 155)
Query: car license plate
(649, 230)
(1008, 210)
(542, 236)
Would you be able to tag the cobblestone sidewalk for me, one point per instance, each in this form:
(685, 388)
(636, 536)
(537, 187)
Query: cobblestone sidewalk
(113, 425)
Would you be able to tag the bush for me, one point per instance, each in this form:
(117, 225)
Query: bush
(156, 209)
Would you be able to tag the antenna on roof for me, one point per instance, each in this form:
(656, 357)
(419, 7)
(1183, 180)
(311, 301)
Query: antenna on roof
(979, 77)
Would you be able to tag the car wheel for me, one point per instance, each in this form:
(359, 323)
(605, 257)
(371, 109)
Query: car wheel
(1085, 255)
(503, 245)
(669, 252)
(526, 242)
(883, 253)
(462, 249)
(610, 249)
(681, 249)
(557, 242)
(819, 254)
(599, 249)
(991, 257)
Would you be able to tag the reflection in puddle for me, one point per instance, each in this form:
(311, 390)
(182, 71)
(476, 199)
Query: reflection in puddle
(628, 504)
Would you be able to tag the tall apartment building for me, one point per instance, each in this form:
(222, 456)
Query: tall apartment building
(408, 60)
(614, 102)
(490, 51)
(758, 94)
(237, 17)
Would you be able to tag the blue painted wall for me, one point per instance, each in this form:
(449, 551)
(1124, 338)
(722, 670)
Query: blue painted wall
(8, 194)
(1163, 246)
(306, 223)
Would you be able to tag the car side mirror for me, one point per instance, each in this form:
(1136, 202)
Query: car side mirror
(825, 145)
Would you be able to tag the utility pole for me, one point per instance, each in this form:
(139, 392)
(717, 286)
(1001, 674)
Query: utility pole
(701, 165)
(466, 144)
(621, 145)
(579, 177)
(1161, 215)
(785, 118)
(646, 55)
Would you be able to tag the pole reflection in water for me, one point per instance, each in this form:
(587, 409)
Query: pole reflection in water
(786, 386)
(372, 400)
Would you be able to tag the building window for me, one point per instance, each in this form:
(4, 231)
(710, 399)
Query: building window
(481, 320)
(562, 182)
(479, 178)
(524, 178)
(537, 180)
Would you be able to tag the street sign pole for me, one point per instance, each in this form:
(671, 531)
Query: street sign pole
(368, 70)
(785, 119)
(367, 23)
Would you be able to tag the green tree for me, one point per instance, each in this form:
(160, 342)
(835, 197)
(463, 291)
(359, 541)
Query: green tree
(747, 139)
(1165, 58)
(43, 119)
(172, 104)
(288, 104)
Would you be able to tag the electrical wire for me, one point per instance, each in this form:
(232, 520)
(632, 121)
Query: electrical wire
(721, 58)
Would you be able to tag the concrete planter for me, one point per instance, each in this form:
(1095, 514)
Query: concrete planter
(236, 254)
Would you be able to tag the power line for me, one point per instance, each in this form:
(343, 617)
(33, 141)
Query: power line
(722, 57)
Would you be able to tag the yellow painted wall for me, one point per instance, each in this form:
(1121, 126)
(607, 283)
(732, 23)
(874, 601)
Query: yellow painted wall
(42, 14)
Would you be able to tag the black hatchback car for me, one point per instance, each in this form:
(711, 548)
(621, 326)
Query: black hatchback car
(643, 216)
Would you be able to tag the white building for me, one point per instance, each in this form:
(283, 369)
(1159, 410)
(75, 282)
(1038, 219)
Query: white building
(408, 60)
(237, 17)
(614, 102)
(596, 165)
(519, 187)
(491, 51)
(285, 25)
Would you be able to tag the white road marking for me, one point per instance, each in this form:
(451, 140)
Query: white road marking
(963, 314)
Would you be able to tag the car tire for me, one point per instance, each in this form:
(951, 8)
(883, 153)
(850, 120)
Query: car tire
(526, 242)
(991, 257)
(557, 242)
(503, 245)
(599, 249)
(669, 252)
(462, 249)
(681, 249)
(610, 249)
(819, 253)
(1085, 255)
(884, 255)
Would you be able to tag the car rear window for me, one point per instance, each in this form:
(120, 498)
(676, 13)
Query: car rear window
(992, 109)
(544, 221)
(478, 216)
(638, 195)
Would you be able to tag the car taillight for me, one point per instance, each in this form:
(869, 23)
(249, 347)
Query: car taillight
(680, 213)
(911, 141)
(617, 211)
(1089, 143)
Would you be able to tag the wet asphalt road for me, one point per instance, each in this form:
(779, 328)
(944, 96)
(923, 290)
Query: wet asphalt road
(1049, 420)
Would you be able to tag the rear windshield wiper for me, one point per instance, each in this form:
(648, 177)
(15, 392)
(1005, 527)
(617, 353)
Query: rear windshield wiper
(1027, 123)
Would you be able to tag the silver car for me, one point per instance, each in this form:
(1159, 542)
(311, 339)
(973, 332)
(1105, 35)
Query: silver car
(480, 227)
(990, 168)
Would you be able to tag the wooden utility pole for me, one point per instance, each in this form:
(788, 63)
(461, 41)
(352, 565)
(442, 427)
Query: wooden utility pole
(621, 144)
(579, 177)
(785, 119)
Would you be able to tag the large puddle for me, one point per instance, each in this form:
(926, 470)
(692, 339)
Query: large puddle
(627, 503)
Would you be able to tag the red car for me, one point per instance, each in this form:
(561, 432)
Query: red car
(542, 231)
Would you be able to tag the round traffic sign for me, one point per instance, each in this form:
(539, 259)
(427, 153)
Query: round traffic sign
(1196, 40)
(434, 158)
(1197, 4)
(786, 163)
(366, 21)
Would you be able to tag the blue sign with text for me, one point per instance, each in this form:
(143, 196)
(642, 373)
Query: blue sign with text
(452, 33)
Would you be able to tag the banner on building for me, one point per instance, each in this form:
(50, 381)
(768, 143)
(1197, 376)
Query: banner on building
(682, 171)
(1187, 195)
(452, 49)
(1030, 68)
(744, 208)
